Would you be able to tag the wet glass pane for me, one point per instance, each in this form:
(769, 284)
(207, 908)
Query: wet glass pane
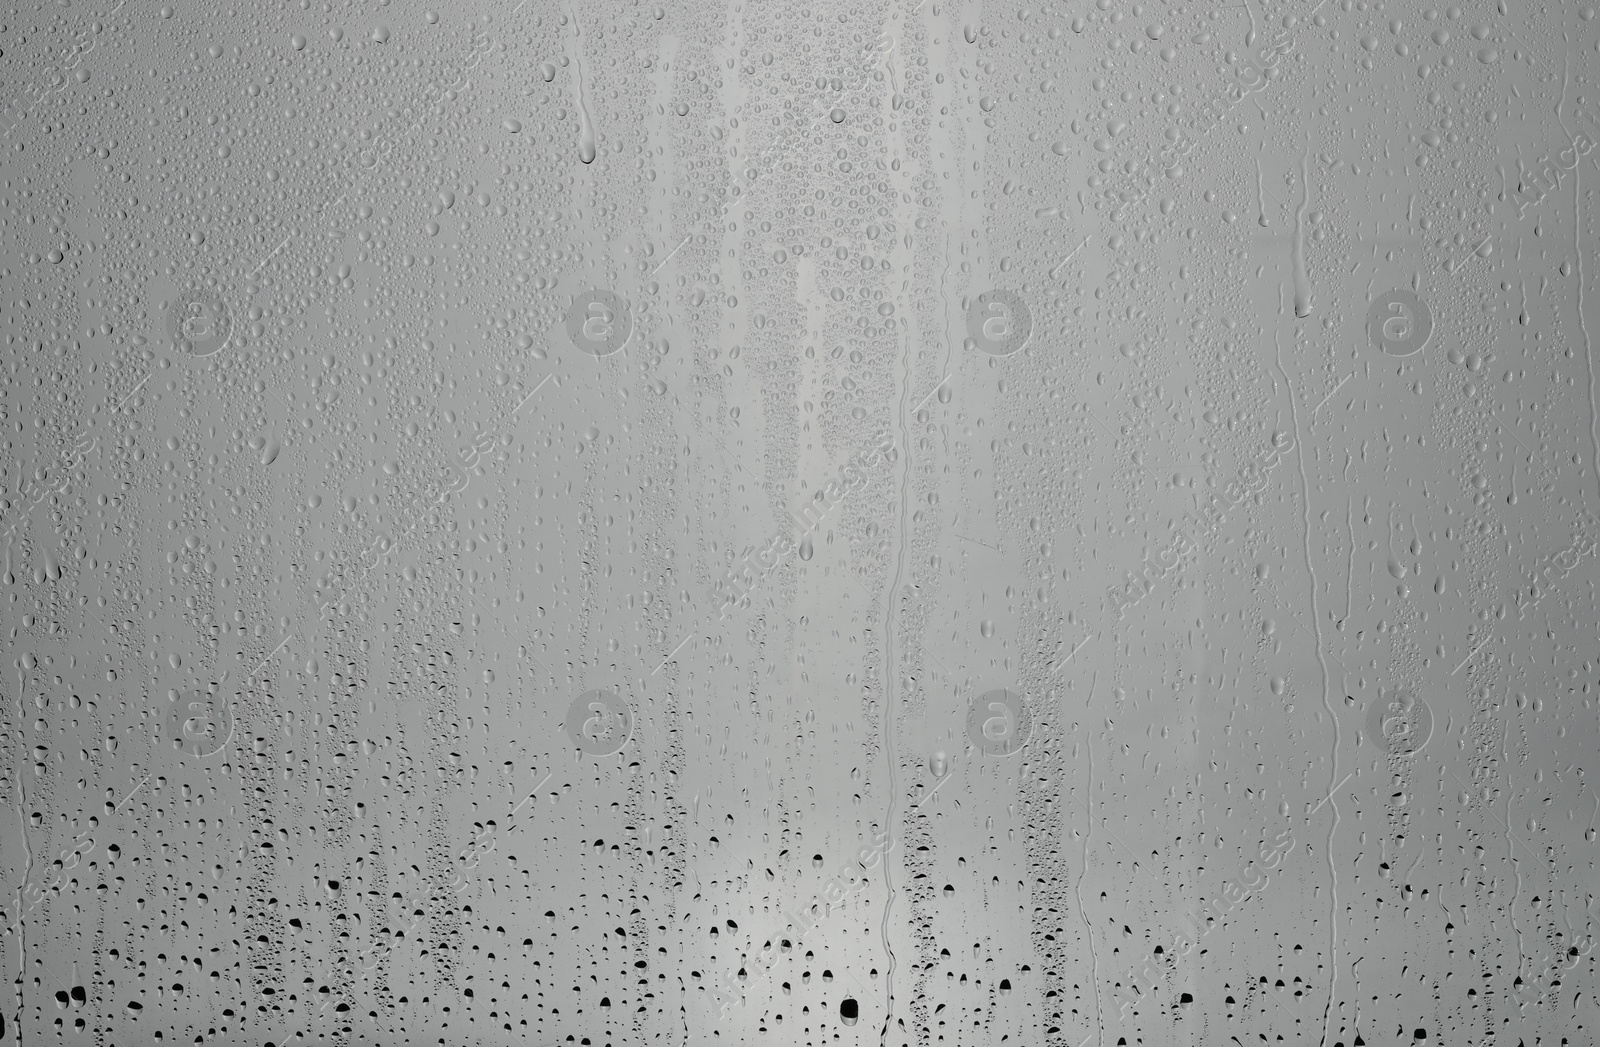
(918, 524)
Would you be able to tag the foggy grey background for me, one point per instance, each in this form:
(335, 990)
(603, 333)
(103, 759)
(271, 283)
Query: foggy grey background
(905, 524)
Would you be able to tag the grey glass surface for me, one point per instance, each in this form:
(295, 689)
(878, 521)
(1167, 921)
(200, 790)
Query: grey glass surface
(917, 524)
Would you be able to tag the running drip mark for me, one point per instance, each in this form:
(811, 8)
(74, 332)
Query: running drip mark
(1316, 637)
(890, 675)
(1302, 280)
(1094, 955)
(27, 873)
(1583, 326)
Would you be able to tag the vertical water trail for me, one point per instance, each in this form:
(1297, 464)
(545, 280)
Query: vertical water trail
(1088, 834)
(1302, 281)
(1261, 202)
(1577, 252)
(586, 138)
(1322, 662)
(27, 872)
(889, 675)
